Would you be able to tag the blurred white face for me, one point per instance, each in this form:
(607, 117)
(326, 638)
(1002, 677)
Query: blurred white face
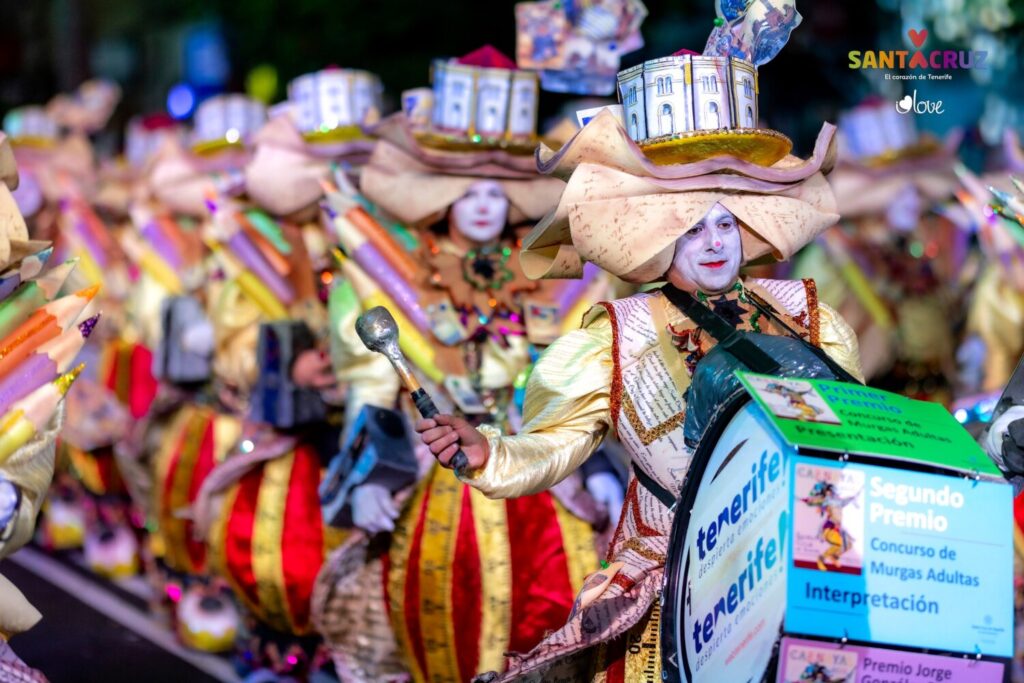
(905, 211)
(480, 214)
(708, 256)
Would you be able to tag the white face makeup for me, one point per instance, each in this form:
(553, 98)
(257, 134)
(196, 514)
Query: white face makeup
(480, 214)
(708, 256)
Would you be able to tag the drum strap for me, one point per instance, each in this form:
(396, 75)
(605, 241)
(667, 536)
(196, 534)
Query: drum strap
(739, 346)
(728, 337)
(659, 491)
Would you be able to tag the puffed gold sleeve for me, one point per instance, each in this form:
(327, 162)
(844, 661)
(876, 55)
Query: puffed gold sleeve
(839, 340)
(567, 414)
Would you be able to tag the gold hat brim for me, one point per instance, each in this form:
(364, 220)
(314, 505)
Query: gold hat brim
(760, 146)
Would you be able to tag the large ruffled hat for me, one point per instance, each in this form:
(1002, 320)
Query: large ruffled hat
(328, 119)
(623, 212)
(483, 127)
(881, 154)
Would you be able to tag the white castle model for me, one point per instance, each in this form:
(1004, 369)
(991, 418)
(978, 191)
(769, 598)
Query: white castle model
(875, 129)
(227, 118)
(688, 92)
(334, 98)
(486, 101)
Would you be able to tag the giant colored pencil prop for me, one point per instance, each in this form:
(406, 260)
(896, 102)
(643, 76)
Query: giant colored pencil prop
(151, 263)
(29, 416)
(414, 344)
(28, 267)
(32, 295)
(50, 360)
(231, 234)
(379, 332)
(377, 267)
(858, 281)
(342, 208)
(250, 285)
(45, 324)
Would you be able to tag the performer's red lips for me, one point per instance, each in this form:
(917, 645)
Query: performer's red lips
(714, 264)
(481, 224)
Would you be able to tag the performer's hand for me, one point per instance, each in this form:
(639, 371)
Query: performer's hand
(445, 434)
(313, 369)
(606, 488)
(373, 508)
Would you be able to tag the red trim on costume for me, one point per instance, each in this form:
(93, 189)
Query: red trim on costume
(542, 593)
(302, 543)
(467, 612)
(813, 312)
(412, 585)
(195, 548)
(238, 535)
(623, 582)
(641, 527)
(627, 506)
(616, 389)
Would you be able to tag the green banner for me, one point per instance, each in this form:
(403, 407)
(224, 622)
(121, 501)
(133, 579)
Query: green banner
(850, 418)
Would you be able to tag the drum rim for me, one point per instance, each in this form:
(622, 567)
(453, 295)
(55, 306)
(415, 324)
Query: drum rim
(698, 467)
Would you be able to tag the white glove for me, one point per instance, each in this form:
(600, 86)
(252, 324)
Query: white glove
(198, 338)
(993, 441)
(8, 503)
(606, 488)
(373, 509)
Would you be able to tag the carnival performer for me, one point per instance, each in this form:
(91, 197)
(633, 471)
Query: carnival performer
(31, 406)
(830, 506)
(679, 199)
(258, 510)
(455, 562)
(891, 271)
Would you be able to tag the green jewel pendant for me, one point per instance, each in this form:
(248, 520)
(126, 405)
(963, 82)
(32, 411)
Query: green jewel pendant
(487, 268)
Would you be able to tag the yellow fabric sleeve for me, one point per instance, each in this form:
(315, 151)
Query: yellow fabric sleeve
(566, 416)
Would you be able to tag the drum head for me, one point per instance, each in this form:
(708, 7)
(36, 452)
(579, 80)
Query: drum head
(724, 594)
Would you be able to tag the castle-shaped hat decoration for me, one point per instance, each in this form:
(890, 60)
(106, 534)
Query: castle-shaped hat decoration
(334, 104)
(875, 134)
(482, 100)
(31, 125)
(226, 121)
(690, 106)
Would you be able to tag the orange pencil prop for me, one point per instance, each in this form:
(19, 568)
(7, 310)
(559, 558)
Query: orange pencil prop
(47, 323)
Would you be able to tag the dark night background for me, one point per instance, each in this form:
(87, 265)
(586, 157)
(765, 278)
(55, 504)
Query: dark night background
(51, 45)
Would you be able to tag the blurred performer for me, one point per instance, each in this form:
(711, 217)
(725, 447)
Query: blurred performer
(890, 270)
(457, 565)
(684, 201)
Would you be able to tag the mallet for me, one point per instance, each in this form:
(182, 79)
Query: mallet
(379, 332)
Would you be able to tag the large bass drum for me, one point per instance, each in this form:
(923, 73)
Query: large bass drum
(724, 594)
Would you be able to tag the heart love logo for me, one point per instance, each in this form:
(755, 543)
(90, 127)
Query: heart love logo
(918, 37)
(905, 105)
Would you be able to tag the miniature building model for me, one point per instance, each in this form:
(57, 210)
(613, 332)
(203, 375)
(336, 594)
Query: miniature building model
(30, 123)
(874, 129)
(688, 92)
(483, 94)
(333, 98)
(230, 118)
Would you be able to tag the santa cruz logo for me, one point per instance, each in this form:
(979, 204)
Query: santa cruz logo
(938, 60)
